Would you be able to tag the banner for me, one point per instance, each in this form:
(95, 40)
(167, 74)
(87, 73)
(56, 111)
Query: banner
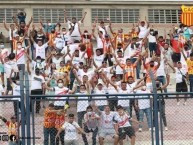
(187, 15)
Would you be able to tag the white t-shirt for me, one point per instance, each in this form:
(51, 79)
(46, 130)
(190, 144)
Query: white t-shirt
(16, 91)
(75, 32)
(143, 103)
(60, 91)
(60, 43)
(100, 102)
(121, 101)
(103, 30)
(112, 90)
(131, 86)
(70, 130)
(89, 73)
(36, 82)
(151, 38)
(40, 65)
(179, 74)
(82, 105)
(41, 50)
(77, 60)
(99, 42)
(99, 59)
(20, 56)
(8, 66)
(107, 121)
(130, 52)
(122, 60)
(123, 121)
(73, 47)
(57, 61)
(1, 90)
(161, 69)
(10, 35)
(143, 31)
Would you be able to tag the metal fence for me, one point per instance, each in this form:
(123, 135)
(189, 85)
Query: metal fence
(170, 123)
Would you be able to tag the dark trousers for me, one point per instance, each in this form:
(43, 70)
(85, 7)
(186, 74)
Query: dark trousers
(131, 106)
(108, 58)
(36, 92)
(11, 44)
(94, 135)
(15, 107)
(22, 68)
(161, 109)
(61, 139)
(49, 136)
(80, 117)
(191, 83)
(113, 103)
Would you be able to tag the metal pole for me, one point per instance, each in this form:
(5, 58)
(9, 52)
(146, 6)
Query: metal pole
(27, 109)
(22, 107)
(33, 121)
(155, 97)
(151, 114)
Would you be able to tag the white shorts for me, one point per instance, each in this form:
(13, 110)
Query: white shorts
(103, 132)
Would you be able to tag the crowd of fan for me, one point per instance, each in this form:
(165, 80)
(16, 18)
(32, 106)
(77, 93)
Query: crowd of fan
(64, 61)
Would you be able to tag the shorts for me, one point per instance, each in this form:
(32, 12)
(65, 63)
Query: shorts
(1, 68)
(103, 132)
(176, 57)
(123, 131)
(181, 87)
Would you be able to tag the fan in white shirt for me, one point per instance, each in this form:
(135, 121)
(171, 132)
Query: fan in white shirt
(107, 125)
(98, 58)
(77, 58)
(74, 26)
(59, 42)
(124, 126)
(144, 107)
(21, 54)
(97, 99)
(143, 29)
(40, 48)
(60, 89)
(70, 127)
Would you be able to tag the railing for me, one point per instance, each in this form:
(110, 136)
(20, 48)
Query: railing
(179, 118)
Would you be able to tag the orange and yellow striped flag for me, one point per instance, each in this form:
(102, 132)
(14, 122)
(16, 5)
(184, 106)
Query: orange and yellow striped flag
(187, 15)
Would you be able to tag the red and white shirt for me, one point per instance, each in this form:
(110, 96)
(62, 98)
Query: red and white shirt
(20, 56)
(123, 121)
(60, 91)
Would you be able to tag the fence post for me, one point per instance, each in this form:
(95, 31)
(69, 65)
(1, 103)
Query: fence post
(27, 108)
(21, 77)
(155, 108)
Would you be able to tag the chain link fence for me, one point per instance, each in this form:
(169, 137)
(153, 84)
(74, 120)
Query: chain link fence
(10, 119)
